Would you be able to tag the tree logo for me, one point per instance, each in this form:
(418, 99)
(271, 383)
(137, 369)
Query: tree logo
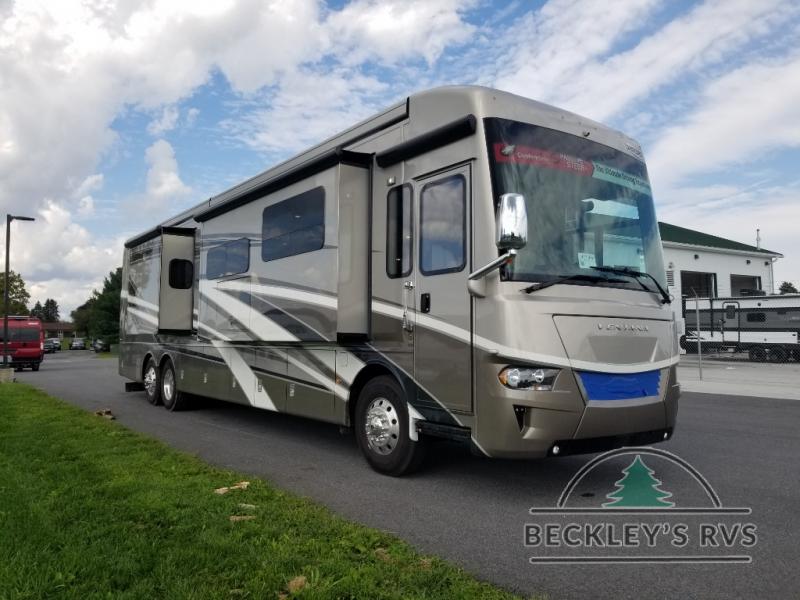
(638, 488)
(636, 519)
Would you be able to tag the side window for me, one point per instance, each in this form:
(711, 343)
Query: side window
(399, 231)
(226, 259)
(730, 311)
(443, 226)
(756, 317)
(294, 226)
(181, 274)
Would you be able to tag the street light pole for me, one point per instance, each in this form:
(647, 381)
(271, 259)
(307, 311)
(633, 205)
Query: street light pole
(7, 284)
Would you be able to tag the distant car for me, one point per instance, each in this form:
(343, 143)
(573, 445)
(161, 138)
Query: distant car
(78, 344)
(56, 344)
(101, 346)
(49, 346)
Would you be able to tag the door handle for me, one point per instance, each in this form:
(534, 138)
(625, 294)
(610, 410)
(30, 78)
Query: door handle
(408, 288)
(425, 303)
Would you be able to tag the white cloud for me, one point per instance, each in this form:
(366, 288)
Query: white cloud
(191, 116)
(163, 181)
(741, 116)
(165, 122)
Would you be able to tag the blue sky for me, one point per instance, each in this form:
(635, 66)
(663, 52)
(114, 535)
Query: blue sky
(116, 115)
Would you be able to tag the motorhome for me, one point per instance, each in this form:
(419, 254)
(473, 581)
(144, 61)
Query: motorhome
(765, 327)
(467, 264)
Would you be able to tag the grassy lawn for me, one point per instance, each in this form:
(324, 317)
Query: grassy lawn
(89, 509)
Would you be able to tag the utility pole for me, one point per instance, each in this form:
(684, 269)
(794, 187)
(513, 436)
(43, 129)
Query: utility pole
(9, 218)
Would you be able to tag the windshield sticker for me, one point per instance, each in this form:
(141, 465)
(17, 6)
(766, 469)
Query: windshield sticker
(525, 155)
(619, 177)
(537, 157)
(586, 260)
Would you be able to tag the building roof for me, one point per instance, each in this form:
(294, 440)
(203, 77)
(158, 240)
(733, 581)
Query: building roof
(682, 235)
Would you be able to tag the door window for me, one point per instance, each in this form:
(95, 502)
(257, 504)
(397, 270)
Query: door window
(399, 231)
(443, 223)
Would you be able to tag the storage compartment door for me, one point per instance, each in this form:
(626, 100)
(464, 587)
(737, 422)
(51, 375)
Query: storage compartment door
(176, 295)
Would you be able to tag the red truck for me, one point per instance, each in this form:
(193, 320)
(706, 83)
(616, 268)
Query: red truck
(25, 342)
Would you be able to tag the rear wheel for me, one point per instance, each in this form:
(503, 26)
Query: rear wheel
(152, 383)
(382, 428)
(172, 398)
(757, 354)
(778, 354)
(35, 366)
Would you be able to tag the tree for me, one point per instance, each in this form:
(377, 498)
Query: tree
(18, 296)
(82, 315)
(787, 287)
(104, 312)
(37, 310)
(50, 312)
(98, 317)
(638, 488)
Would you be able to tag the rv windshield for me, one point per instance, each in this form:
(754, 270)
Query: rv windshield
(588, 206)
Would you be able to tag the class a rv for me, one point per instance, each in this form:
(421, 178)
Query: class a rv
(467, 264)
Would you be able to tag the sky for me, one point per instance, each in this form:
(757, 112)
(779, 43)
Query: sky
(117, 115)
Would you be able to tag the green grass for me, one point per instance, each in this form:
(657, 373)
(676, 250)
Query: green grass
(89, 509)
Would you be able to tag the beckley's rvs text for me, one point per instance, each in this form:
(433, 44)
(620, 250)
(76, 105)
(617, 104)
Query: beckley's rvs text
(467, 264)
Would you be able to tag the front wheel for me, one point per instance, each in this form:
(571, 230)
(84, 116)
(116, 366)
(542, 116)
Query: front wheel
(35, 366)
(382, 428)
(172, 398)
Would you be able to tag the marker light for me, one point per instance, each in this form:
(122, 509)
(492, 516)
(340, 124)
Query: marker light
(528, 378)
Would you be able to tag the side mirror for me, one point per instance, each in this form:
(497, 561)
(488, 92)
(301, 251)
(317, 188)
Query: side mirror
(512, 222)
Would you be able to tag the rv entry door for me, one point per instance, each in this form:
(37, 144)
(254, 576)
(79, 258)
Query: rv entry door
(176, 294)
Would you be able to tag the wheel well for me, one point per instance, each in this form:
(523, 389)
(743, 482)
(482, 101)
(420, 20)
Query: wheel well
(364, 376)
(147, 357)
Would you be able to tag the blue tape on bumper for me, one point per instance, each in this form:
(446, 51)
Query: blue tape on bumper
(620, 386)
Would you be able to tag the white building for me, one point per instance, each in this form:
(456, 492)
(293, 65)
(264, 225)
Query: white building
(713, 267)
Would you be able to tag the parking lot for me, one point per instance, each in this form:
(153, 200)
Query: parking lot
(472, 511)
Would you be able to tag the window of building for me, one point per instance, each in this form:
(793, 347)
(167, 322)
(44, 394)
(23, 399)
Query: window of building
(181, 274)
(695, 283)
(757, 317)
(744, 285)
(399, 231)
(294, 226)
(443, 223)
(229, 258)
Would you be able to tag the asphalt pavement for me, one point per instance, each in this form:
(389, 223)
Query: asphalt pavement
(473, 511)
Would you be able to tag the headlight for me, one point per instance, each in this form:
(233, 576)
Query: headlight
(528, 378)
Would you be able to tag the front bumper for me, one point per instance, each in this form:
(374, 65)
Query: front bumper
(518, 424)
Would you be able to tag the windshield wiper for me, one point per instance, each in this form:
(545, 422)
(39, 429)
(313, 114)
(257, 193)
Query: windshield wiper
(565, 278)
(665, 299)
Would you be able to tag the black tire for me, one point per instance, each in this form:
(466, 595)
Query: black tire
(152, 382)
(757, 354)
(388, 450)
(172, 398)
(35, 366)
(778, 354)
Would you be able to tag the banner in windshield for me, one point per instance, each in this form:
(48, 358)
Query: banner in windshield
(526, 155)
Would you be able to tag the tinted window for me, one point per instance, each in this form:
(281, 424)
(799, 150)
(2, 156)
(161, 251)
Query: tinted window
(758, 317)
(181, 274)
(399, 231)
(443, 224)
(294, 226)
(229, 258)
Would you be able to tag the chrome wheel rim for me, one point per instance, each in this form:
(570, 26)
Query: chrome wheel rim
(150, 381)
(382, 426)
(168, 387)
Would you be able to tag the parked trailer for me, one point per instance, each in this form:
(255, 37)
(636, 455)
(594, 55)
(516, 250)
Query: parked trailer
(467, 264)
(766, 327)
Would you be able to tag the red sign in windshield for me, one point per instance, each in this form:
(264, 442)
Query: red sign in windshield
(525, 155)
